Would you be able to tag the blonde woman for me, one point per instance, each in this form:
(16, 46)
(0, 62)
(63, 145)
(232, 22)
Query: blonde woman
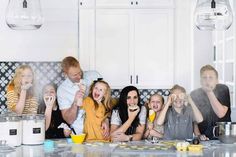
(20, 95)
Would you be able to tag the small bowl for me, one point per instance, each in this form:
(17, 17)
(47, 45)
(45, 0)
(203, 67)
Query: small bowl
(78, 138)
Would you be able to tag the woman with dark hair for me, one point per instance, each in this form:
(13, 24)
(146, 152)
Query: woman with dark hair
(128, 117)
(55, 127)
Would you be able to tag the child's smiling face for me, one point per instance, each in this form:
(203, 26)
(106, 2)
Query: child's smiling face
(178, 97)
(99, 91)
(155, 103)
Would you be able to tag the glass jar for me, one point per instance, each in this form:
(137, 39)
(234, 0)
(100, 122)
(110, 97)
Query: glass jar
(213, 15)
(24, 14)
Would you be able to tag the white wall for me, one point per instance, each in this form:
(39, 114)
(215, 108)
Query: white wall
(56, 38)
(203, 53)
(183, 43)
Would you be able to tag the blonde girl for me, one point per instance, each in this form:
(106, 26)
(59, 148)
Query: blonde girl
(154, 104)
(98, 108)
(20, 92)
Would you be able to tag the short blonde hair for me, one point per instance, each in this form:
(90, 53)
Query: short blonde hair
(69, 62)
(208, 68)
(177, 87)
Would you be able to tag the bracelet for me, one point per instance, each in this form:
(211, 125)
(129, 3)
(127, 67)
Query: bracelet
(130, 137)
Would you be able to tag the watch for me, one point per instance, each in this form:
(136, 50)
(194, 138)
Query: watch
(130, 137)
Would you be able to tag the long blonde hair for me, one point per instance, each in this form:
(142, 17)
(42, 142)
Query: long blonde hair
(107, 97)
(16, 81)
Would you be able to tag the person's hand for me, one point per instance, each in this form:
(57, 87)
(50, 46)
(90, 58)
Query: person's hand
(49, 100)
(119, 137)
(67, 132)
(207, 88)
(190, 100)
(203, 137)
(79, 97)
(147, 133)
(26, 86)
(106, 129)
(133, 114)
(171, 99)
(152, 132)
(150, 126)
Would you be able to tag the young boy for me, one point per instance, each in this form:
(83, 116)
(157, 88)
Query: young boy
(213, 100)
(178, 115)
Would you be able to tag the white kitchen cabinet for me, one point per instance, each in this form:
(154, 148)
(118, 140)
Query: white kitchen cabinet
(134, 3)
(128, 46)
(153, 48)
(86, 4)
(133, 48)
(113, 3)
(113, 43)
(86, 37)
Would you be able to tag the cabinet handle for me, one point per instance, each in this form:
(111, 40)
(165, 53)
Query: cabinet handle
(81, 3)
(131, 79)
(132, 3)
(136, 3)
(136, 79)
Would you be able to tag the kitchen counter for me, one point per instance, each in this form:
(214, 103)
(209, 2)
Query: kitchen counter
(135, 149)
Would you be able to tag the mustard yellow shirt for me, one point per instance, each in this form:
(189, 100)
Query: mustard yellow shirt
(93, 120)
(31, 104)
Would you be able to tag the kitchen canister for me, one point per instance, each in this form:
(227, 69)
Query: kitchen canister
(11, 129)
(225, 131)
(33, 129)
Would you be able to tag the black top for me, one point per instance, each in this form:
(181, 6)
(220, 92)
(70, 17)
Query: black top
(209, 117)
(56, 120)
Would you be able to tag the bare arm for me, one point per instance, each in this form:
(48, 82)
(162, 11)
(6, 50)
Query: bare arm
(218, 108)
(156, 133)
(198, 133)
(139, 132)
(197, 114)
(196, 129)
(162, 116)
(70, 114)
(48, 115)
(121, 136)
(21, 102)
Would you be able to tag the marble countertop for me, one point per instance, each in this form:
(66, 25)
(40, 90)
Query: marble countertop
(62, 148)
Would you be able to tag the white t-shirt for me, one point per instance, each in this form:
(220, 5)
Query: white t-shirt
(115, 117)
(66, 95)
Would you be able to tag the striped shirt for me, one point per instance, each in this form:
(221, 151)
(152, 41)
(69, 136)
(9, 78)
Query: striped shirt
(31, 104)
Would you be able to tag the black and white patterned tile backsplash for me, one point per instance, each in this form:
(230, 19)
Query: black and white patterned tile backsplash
(50, 72)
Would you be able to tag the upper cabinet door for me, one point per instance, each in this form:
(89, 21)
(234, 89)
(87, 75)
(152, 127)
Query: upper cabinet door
(134, 3)
(154, 3)
(84, 4)
(113, 3)
(86, 38)
(112, 57)
(153, 48)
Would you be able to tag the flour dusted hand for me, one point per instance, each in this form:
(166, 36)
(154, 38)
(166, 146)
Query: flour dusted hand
(26, 86)
(49, 100)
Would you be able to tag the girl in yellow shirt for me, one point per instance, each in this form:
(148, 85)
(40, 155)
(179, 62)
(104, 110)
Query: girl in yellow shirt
(98, 108)
(20, 92)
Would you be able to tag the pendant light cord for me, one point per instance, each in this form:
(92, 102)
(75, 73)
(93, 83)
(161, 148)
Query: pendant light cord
(24, 4)
(213, 4)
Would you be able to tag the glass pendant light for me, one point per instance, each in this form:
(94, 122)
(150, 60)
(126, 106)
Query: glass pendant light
(213, 15)
(24, 14)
